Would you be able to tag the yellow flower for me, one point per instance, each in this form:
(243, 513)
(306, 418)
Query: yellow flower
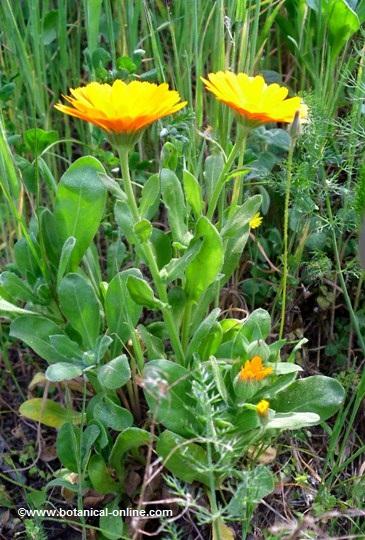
(122, 108)
(262, 407)
(254, 370)
(253, 99)
(255, 221)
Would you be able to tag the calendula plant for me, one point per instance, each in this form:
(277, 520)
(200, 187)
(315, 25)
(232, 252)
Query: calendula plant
(217, 387)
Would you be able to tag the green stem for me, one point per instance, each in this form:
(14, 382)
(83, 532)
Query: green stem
(286, 224)
(222, 178)
(123, 152)
(150, 257)
(237, 185)
(212, 487)
(166, 312)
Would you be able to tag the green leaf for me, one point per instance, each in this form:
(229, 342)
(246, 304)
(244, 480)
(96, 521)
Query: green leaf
(100, 477)
(124, 218)
(154, 345)
(150, 197)
(62, 371)
(112, 415)
(283, 368)
(13, 288)
(80, 203)
(130, 439)
(173, 197)
(80, 306)
(175, 268)
(218, 378)
(47, 412)
(37, 139)
(342, 23)
(184, 459)
(66, 347)
(256, 326)
(50, 27)
(50, 237)
(25, 260)
(61, 482)
(37, 498)
(318, 394)
(68, 446)
(102, 345)
(122, 312)
(111, 525)
(65, 258)
(209, 258)
(193, 193)
(211, 342)
(88, 439)
(202, 332)
(212, 170)
(237, 236)
(142, 293)
(126, 63)
(167, 388)
(143, 230)
(162, 245)
(100, 57)
(255, 485)
(296, 420)
(115, 373)
(35, 332)
(7, 307)
(116, 254)
(113, 187)
(241, 216)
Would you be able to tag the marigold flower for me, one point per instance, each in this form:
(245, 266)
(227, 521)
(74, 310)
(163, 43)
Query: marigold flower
(121, 107)
(253, 99)
(254, 370)
(255, 221)
(262, 407)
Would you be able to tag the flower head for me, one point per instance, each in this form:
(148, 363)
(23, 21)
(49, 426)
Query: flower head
(262, 407)
(255, 221)
(253, 99)
(254, 370)
(122, 108)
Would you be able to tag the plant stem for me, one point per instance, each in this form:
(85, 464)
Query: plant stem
(286, 224)
(222, 178)
(212, 484)
(128, 187)
(237, 184)
(162, 292)
(150, 257)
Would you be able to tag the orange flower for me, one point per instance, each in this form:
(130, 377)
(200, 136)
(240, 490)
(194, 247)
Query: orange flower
(262, 407)
(253, 99)
(122, 108)
(254, 370)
